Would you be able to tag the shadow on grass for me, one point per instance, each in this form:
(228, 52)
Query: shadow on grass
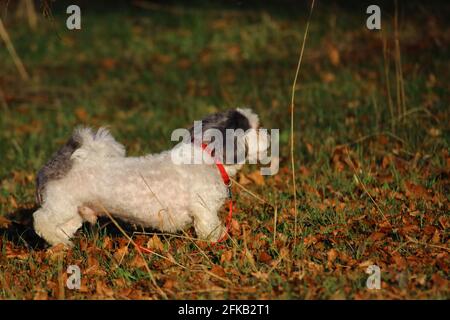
(21, 233)
(20, 229)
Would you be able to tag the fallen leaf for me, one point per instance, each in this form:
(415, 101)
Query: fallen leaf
(226, 256)
(120, 253)
(377, 236)
(169, 284)
(332, 255)
(103, 290)
(416, 191)
(333, 55)
(218, 270)
(265, 257)
(155, 243)
(81, 114)
(243, 180)
(138, 262)
(4, 223)
(257, 178)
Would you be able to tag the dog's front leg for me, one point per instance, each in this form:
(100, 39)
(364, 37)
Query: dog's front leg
(56, 229)
(207, 223)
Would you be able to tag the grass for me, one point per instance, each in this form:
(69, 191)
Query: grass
(371, 189)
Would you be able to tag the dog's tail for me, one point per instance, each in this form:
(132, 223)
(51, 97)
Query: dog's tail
(100, 144)
(83, 145)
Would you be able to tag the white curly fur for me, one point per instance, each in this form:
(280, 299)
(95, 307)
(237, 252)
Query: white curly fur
(150, 191)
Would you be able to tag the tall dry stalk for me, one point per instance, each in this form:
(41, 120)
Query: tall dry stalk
(401, 99)
(10, 47)
(294, 84)
(388, 82)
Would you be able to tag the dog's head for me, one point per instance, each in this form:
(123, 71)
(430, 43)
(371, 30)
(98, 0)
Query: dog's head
(232, 136)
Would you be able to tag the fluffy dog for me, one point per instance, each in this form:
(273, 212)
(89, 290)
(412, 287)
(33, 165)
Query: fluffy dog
(90, 174)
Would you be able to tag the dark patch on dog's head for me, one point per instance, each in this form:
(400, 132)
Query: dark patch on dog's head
(57, 167)
(221, 121)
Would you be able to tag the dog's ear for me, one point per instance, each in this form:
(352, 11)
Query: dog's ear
(57, 167)
(238, 120)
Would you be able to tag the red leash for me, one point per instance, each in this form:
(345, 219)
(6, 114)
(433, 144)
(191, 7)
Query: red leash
(226, 180)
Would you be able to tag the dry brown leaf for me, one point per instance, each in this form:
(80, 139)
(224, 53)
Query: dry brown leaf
(218, 270)
(40, 294)
(81, 114)
(436, 237)
(257, 178)
(109, 63)
(333, 55)
(365, 264)
(416, 191)
(138, 262)
(327, 77)
(243, 180)
(120, 253)
(155, 243)
(226, 256)
(265, 257)
(332, 254)
(377, 236)
(4, 223)
(235, 227)
(103, 290)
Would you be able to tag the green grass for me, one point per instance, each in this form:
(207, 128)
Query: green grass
(144, 73)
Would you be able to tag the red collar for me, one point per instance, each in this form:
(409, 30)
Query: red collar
(227, 182)
(223, 172)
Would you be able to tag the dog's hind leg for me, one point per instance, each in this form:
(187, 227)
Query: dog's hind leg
(55, 230)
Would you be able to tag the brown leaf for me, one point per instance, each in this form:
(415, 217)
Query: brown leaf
(40, 294)
(265, 257)
(4, 223)
(107, 243)
(218, 270)
(103, 289)
(257, 178)
(81, 114)
(243, 180)
(138, 262)
(332, 255)
(235, 227)
(333, 55)
(399, 260)
(416, 191)
(327, 77)
(169, 284)
(226, 256)
(436, 237)
(443, 221)
(155, 243)
(365, 264)
(109, 63)
(377, 236)
(120, 253)
(304, 171)
(16, 254)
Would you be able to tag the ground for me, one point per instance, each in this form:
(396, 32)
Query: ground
(372, 158)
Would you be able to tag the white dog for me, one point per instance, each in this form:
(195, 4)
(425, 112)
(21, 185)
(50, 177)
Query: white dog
(90, 174)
